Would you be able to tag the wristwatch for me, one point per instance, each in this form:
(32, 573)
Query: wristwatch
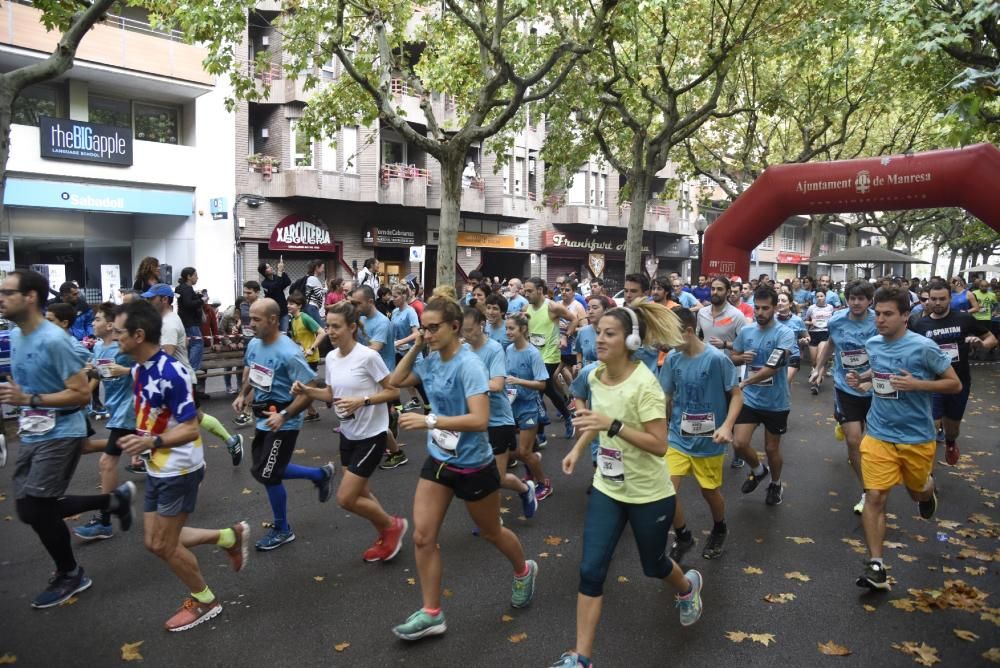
(615, 428)
(35, 400)
(157, 442)
(283, 412)
(431, 420)
(368, 401)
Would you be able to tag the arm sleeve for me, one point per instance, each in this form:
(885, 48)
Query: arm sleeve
(936, 359)
(310, 324)
(411, 318)
(538, 366)
(284, 281)
(376, 367)
(299, 369)
(580, 388)
(650, 402)
(498, 365)
(378, 331)
(665, 376)
(63, 353)
(739, 343)
(179, 396)
(474, 379)
(418, 367)
(727, 372)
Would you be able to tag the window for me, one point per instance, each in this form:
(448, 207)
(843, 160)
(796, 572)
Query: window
(768, 243)
(518, 176)
(349, 149)
(593, 189)
(577, 193)
(792, 239)
(302, 147)
(393, 153)
(506, 179)
(328, 155)
(156, 123)
(35, 102)
(840, 242)
(109, 111)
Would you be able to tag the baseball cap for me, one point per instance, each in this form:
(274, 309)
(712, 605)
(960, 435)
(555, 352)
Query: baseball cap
(158, 290)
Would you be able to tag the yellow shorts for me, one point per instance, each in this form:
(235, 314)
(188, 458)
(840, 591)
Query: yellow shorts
(884, 465)
(706, 470)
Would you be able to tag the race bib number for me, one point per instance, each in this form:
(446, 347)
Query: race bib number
(261, 377)
(104, 367)
(820, 324)
(854, 359)
(446, 440)
(36, 421)
(751, 370)
(537, 340)
(511, 394)
(697, 424)
(611, 464)
(951, 350)
(882, 385)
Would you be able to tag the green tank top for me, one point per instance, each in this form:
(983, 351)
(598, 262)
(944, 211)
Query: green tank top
(987, 300)
(543, 332)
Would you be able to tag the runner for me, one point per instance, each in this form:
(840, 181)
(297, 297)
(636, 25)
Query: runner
(905, 370)
(736, 300)
(49, 384)
(357, 381)
(682, 297)
(567, 356)
(307, 333)
(543, 333)
(502, 430)
(585, 346)
(849, 330)
(764, 347)
(405, 324)
(496, 326)
(817, 319)
(167, 436)
(786, 316)
(701, 386)
(631, 484)
(516, 301)
(525, 383)
(273, 364)
(955, 332)
(832, 298)
(459, 463)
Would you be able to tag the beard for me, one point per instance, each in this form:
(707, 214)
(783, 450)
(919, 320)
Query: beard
(717, 300)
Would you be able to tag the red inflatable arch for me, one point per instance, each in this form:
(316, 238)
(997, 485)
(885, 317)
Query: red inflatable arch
(968, 178)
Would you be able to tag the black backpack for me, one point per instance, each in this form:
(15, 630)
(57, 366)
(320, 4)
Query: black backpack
(298, 286)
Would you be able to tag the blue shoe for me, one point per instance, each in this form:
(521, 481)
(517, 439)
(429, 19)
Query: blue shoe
(235, 447)
(61, 588)
(690, 604)
(570, 429)
(94, 530)
(529, 504)
(567, 660)
(737, 463)
(522, 589)
(420, 625)
(275, 539)
(325, 485)
(541, 442)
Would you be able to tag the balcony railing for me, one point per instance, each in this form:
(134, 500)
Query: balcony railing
(132, 25)
(400, 171)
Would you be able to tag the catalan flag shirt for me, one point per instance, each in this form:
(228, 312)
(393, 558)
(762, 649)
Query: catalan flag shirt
(164, 399)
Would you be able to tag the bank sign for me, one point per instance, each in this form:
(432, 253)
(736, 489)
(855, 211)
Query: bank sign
(65, 139)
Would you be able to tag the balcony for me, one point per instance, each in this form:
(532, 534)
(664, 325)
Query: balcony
(520, 206)
(558, 212)
(474, 198)
(659, 218)
(282, 89)
(306, 183)
(119, 42)
(405, 185)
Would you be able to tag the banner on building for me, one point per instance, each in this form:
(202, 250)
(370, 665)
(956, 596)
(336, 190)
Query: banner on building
(301, 233)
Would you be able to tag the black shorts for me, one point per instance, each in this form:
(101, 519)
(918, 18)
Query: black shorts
(775, 422)
(114, 434)
(173, 495)
(503, 438)
(795, 363)
(468, 486)
(849, 407)
(816, 338)
(362, 457)
(952, 406)
(568, 359)
(271, 452)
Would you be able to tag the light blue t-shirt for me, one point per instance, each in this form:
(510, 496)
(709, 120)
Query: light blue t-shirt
(832, 298)
(772, 394)
(525, 364)
(903, 417)
(586, 343)
(492, 355)
(41, 363)
(802, 296)
(849, 337)
(273, 370)
(448, 386)
(118, 396)
(403, 323)
(798, 327)
(686, 299)
(498, 333)
(377, 328)
(648, 356)
(698, 387)
(516, 304)
(580, 388)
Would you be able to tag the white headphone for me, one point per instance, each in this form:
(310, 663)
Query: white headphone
(633, 341)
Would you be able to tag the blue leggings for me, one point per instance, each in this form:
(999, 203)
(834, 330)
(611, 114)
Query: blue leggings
(603, 526)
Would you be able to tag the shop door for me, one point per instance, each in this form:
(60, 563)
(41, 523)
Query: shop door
(393, 271)
(505, 264)
(614, 276)
(560, 267)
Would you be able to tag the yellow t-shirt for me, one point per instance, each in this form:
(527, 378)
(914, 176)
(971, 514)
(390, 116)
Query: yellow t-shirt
(624, 472)
(304, 330)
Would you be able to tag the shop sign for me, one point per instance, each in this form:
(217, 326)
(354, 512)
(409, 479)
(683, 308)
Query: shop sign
(87, 197)
(298, 233)
(552, 239)
(66, 139)
(596, 263)
(792, 258)
(480, 240)
(388, 236)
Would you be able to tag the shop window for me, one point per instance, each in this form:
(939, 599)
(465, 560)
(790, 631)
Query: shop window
(35, 102)
(349, 149)
(109, 111)
(156, 123)
(302, 147)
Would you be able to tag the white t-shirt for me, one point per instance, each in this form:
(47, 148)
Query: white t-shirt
(172, 334)
(359, 374)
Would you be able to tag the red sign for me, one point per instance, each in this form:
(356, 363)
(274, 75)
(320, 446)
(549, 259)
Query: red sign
(792, 258)
(298, 233)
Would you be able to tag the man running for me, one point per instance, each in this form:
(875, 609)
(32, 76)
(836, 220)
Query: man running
(516, 301)
(273, 363)
(905, 369)
(167, 436)
(764, 347)
(849, 330)
(543, 333)
(955, 332)
(832, 298)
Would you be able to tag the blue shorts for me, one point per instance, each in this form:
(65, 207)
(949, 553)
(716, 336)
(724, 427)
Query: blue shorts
(526, 416)
(952, 406)
(174, 495)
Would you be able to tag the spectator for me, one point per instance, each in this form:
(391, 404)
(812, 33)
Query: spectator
(147, 275)
(210, 324)
(334, 291)
(315, 288)
(189, 308)
(369, 274)
(274, 284)
(232, 329)
(82, 326)
(414, 300)
(383, 301)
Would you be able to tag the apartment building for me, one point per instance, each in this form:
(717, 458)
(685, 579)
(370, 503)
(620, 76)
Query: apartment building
(124, 156)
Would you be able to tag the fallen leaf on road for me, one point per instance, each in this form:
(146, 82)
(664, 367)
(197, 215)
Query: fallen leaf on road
(517, 637)
(869, 608)
(992, 654)
(8, 659)
(506, 618)
(799, 540)
(906, 557)
(318, 578)
(341, 646)
(3, 497)
(834, 510)
(923, 653)
(948, 524)
(758, 540)
(965, 635)
(764, 639)
(247, 491)
(980, 518)
(553, 540)
(411, 581)
(737, 636)
(948, 569)
(833, 494)
(300, 451)
(70, 601)
(753, 570)
(919, 538)
(130, 651)
(622, 578)
(975, 571)
(894, 545)
(990, 617)
(779, 598)
(447, 593)
(831, 648)
(543, 555)
(795, 575)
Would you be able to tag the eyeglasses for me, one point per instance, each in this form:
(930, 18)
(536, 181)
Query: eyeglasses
(432, 328)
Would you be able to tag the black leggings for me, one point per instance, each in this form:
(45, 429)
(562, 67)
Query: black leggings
(45, 516)
(552, 392)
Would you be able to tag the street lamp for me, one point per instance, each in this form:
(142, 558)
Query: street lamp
(700, 225)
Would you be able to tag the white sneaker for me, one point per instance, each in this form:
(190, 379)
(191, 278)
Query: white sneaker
(860, 505)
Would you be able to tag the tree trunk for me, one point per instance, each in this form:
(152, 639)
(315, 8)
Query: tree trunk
(853, 241)
(636, 222)
(815, 241)
(935, 252)
(6, 115)
(451, 216)
(951, 264)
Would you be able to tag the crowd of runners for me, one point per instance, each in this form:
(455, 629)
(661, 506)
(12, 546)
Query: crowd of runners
(662, 388)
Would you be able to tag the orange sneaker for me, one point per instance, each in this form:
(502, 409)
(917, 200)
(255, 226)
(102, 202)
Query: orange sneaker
(192, 613)
(240, 551)
(389, 542)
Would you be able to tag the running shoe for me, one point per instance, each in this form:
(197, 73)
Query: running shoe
(136, 466)
(690, 604)
(523, 588)
(192, 613)
(570, 429)
(3, 451)
(388, 543)
(126, 494)
(541, 442)
(419, 625)
(774, 491)
(529, 504)
(750, 484)
(737, 463)
(412, 405)
(239, 553)
(275, 539)
(100, 415)
(929, 507)
(951, 453)
(231, 391)
(94, 530)
(393, 460)
(242, 420)
(62, 586)
(859, 507)
(311, 417)
(713, 547)
(681, 545)
(874, 577)
(326, 484)
(567, 660)
(235, 447)
(814, 389)
(838, 432)
(542, 490)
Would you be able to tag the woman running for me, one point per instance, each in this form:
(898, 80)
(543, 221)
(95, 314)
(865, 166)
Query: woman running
(787, 317)
(632, 484)
(459, 463)
(817, 319)
(502, 431)
(357, 382)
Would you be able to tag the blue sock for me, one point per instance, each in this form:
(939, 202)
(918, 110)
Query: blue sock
(296, 472)
(278, 497)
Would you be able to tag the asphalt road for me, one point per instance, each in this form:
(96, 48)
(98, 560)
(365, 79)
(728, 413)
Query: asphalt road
(295, 605)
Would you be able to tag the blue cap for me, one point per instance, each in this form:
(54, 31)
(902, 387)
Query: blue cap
(159, 290)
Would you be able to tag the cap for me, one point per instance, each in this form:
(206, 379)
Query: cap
(159, 290)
